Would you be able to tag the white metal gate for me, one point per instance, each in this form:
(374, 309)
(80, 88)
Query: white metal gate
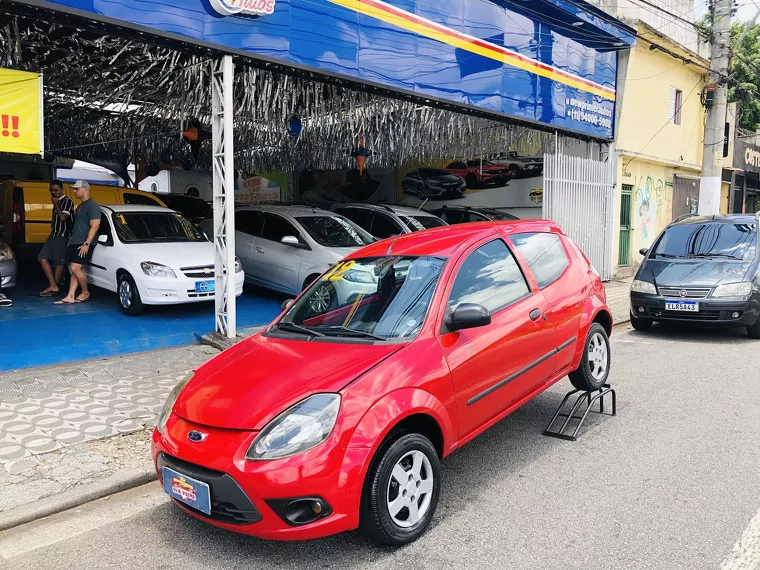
(579, 195)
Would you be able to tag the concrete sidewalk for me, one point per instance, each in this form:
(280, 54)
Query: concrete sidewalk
(76, 432)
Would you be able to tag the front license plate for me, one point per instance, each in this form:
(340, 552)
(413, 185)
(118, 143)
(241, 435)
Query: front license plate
(688, 306)
(205, 286)
(187, 490)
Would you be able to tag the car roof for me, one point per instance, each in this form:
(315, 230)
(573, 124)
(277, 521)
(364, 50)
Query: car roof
(716, 219)
(124, 208)
(295, 210)
(445, 241)
(396, 209)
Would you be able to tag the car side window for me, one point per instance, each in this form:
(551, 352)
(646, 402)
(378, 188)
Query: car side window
(105, 229)
(131, 198)
(491, 277)
(276, 227)
(383, 226)
(544, 254)
(456, 217)
(249, 222)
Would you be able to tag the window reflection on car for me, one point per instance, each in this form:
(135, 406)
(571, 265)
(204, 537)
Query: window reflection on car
(385, 298)
(737, 241)
(145, 227)
(332, 231)
(417, 223)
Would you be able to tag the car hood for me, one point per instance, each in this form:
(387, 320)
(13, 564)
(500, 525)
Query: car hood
(338, 253)
(249, 384)
(175, 254)
(693, 272)
(444, 179)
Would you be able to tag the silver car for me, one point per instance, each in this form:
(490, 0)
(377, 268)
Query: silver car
(383, 221)
(285, 248)
(8, 268)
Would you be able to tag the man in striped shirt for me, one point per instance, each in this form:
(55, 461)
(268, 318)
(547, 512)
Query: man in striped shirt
(53, 254)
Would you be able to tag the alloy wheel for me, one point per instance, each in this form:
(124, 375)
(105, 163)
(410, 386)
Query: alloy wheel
(410, 489)
(125, 294)
(598, 356)
(320, 300)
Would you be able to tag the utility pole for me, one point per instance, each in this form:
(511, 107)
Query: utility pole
(716, 96)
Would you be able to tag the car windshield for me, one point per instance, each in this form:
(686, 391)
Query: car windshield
(334, 231)
(430, 172)
(732, 241)
(376, 298)
(190, 207)
(145, 227)
(417, 223)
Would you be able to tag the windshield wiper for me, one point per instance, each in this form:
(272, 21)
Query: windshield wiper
(292, 327)
(703, 255)
(354, 332)
(668, 255)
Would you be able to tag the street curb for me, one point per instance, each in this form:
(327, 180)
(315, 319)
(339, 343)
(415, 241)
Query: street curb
(76, 497)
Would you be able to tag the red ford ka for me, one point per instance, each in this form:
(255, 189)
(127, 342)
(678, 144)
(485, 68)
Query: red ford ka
(337, 415)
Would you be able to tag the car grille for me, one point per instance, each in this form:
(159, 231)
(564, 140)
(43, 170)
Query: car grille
(686, 316)
(691, 292)
(199, 272)
(193, 294)
(229, 503)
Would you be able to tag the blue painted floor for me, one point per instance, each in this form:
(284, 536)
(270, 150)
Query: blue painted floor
(34, 332)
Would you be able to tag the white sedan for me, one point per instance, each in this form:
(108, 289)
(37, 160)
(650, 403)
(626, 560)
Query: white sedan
(153, 256)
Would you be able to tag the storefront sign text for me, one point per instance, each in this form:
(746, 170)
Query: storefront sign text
(21, 129)
(245, 7)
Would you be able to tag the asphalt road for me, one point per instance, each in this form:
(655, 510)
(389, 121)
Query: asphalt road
(671, 482)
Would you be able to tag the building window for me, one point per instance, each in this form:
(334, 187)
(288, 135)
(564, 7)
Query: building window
(676, 101)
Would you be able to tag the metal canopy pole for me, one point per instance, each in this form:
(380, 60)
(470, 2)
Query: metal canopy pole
(223, 170)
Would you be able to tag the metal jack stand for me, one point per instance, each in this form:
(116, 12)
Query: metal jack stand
(590, 398)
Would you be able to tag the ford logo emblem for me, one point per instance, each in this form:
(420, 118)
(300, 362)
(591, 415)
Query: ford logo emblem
(196, 435)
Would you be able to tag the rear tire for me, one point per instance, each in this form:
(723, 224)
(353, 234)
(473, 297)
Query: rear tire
(129, 296)
(594, 369)
(407, 473)
(640, 324)
(754, 330)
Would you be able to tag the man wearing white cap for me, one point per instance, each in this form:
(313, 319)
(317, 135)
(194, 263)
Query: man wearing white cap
(83, 240)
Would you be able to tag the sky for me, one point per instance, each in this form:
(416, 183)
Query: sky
(747, 9)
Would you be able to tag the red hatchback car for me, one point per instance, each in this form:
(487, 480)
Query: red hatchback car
(338, 414)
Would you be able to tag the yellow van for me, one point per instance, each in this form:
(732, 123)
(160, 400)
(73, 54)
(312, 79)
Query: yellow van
(26, 207)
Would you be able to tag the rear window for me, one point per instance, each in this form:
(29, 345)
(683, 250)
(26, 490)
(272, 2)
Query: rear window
(544, 254)
(730, 241)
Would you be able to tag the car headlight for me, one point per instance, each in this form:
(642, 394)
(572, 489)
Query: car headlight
(643, 287)
(157, 270)
(733, 290)
(298, 429)
(170, 401)
(238, 266)
(358, 277)
(5, 253)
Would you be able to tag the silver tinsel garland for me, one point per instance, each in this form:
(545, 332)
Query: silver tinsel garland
(108, 96)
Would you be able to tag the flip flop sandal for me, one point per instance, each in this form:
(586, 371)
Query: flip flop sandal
(83, 300)
(5, 301)
(50, 294)
(65, 303)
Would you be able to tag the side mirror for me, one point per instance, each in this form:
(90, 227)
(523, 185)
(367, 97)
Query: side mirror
(291, 241)
(468, 316)
(103, 238)
(286, 304)
(643, 251)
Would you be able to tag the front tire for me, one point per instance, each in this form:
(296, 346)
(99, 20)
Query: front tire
(594, 369)
(640, 324)
(129, 296)
(754, 330)
(402, 491)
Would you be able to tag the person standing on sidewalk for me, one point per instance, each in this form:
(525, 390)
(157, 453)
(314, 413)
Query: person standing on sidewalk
(86, 226)
(53, 254)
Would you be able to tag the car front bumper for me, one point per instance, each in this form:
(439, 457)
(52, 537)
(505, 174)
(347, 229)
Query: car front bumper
(242, 490)
(167, 291)
(712, 312)
(8, 273)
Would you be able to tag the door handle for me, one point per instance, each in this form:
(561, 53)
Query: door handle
(259, 249)
(535, 314)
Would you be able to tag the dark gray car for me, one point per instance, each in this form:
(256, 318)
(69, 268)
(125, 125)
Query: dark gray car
(703, 271)
(8, 268)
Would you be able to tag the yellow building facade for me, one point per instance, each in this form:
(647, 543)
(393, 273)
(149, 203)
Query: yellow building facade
(658, 144)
